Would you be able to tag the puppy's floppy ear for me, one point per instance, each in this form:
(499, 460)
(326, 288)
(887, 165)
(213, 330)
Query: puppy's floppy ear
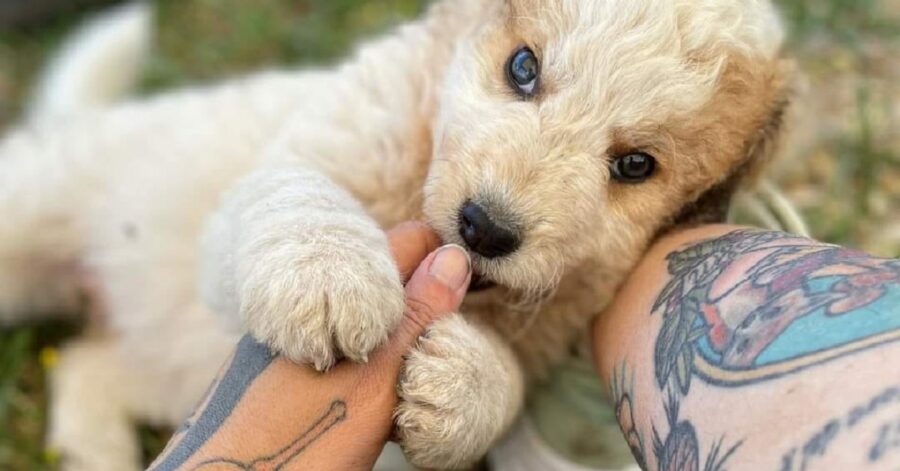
(712, 206)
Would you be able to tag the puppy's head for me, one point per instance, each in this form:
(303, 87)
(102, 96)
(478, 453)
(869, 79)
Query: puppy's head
(571, 131)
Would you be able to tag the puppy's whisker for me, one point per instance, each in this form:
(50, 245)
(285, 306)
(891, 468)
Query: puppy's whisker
(526, 326)
(536, 304)
(526, 305)
(445, 160)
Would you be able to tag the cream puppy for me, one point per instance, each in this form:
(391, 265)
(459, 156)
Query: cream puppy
(552, 138)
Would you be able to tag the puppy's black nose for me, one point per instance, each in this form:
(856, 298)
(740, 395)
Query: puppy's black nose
(483, 235)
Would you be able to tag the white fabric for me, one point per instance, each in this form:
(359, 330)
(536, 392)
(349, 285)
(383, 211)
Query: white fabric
(521, 450)
(392, 459)
(524, 450)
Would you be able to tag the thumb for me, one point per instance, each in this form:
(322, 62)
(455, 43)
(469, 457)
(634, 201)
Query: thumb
(435, 290)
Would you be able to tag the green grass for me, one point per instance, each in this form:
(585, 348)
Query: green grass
(23, 394)
(858, 174)
(238, 35)
(849, 177)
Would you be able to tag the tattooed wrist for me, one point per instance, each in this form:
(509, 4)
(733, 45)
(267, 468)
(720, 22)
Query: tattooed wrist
(249, 361)
(193, 446)
(333, 415)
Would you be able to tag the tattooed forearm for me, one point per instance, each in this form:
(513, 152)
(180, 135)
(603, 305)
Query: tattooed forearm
(739, 308)
(766, 309)
(335, 414)
(258, 416)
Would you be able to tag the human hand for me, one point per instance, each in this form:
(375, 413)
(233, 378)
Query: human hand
(265, 411)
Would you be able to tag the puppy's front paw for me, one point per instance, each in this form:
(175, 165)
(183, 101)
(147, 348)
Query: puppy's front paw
(318, 302)
(455, 397)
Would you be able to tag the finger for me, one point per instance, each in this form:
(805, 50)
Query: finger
(410, 243)
(436, 289)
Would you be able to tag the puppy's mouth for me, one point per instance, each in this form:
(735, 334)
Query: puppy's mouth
(481, 283)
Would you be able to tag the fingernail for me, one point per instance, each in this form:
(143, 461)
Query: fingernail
(451, 266)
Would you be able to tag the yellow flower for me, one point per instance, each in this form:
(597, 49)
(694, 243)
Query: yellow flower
(51, 455)
(49, 357)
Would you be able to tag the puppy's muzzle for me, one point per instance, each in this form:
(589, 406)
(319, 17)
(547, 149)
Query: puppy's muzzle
(486, 235)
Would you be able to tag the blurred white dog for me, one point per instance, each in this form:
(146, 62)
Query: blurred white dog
(552, 138)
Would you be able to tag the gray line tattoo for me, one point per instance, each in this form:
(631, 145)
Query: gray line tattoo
(250, 360)
(817, 446)
(888, 441)
(336, 413)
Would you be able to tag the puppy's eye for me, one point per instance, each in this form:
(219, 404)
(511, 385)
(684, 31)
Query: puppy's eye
(522, 71)
(633, 168)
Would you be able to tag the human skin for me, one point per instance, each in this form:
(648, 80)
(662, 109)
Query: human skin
(265, 412)
(748, 350)
(828, 404)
